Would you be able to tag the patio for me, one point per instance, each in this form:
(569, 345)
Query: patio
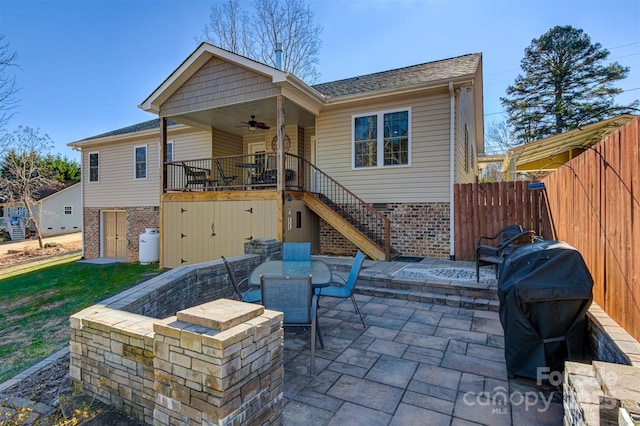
(415, 363)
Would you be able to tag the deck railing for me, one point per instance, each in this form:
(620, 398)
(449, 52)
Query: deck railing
(248, 171)
(259, 171)
(358, 213)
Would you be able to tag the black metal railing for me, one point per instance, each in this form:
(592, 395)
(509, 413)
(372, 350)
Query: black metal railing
(359, 214)
(249, 171)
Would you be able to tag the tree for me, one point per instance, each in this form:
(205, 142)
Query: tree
(499, 138)
(22, 175)
(566, 83)
(8, 88)
(61, 169)
(256, 34)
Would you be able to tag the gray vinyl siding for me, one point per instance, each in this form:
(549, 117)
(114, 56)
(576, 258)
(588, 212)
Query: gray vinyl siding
(218, 83)
(426, 180)
(117, 185)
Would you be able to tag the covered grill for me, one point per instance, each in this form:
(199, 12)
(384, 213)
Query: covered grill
(545, 290)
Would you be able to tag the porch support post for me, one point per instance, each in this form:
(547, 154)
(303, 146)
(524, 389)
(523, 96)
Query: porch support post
(163, 151)
(280, 133)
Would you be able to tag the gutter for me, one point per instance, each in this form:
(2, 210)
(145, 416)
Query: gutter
(452, 138)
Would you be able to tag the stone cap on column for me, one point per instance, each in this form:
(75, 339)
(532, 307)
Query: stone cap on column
(220, 314)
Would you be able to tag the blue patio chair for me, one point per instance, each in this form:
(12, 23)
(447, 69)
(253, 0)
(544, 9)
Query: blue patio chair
(296, 251)
(241, 289)
(345, 288)
(293, 296)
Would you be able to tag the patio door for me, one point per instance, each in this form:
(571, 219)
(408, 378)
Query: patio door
(115, 234)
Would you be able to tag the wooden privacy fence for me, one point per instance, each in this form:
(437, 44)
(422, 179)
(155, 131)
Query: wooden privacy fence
(485, 208)
(594, 201)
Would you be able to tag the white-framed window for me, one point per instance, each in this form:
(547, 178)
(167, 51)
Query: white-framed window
(381, 139)
(68, 209)
(169, 151)
(94, 166)
(140, 158)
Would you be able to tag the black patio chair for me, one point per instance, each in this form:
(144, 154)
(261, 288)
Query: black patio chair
(226, 180)
(505, 241)
(195, 176)
(241, 289)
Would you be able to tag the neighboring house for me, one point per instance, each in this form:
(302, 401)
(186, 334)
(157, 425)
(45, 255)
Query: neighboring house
(243, 151)
(543, 156)
(57, 213)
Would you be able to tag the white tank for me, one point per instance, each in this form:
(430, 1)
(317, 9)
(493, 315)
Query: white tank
(149, 246)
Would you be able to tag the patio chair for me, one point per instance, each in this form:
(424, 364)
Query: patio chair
(293, 296)
(345, 288)
(226, 180)
(242, 290)
(508, 239)
(195, 176)
(296, 251)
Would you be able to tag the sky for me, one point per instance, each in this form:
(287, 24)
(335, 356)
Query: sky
(85, 66)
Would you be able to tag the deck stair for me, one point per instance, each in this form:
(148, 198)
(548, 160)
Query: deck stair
(17, 233)
(355, 219)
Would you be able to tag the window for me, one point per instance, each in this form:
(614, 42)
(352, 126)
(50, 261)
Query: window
(93, 167)
(169, 152)
(68, 209)
(382, 139)
(141, 161)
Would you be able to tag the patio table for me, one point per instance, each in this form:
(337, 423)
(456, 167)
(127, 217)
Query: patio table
(319, 271)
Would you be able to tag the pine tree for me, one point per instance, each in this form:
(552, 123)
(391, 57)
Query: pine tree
(566, 83)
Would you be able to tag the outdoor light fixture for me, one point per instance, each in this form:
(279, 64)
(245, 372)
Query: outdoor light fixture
(252, 128)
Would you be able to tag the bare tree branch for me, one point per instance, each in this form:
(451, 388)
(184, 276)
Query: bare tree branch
(23, 173)
(8, 88)
(255, 35)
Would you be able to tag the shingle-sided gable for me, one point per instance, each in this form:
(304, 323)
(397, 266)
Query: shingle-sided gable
(403, 77)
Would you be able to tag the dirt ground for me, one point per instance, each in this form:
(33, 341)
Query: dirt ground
(17, 252)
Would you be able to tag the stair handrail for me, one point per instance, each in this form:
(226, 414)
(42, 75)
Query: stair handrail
(314, 181)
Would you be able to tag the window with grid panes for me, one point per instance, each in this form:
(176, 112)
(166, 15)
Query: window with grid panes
(381, 139)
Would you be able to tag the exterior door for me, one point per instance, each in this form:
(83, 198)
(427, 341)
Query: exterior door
(115, 234)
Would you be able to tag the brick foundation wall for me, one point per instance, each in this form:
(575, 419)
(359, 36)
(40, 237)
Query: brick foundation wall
(417, 229)
(138, 218)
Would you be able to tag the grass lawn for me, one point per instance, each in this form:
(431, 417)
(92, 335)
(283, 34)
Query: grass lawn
(35, 306)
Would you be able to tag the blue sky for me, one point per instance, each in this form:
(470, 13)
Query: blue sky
(86, 65)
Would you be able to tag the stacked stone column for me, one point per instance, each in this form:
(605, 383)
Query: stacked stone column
(219, 363)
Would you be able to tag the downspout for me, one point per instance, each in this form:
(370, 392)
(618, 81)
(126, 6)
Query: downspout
(79, 149)
(452, 174)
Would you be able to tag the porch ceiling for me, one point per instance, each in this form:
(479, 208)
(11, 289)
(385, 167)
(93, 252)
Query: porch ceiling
(230, 118)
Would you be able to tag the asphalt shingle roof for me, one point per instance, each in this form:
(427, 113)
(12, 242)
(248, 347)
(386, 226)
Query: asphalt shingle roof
(402, 77)
(139, 127)
(414, 75)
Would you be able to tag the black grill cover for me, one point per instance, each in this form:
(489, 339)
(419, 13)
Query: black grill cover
(545, 290)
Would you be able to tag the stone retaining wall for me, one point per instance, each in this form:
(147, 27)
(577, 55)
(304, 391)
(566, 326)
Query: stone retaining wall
(147, 353)
(219, 363)
(593, 394)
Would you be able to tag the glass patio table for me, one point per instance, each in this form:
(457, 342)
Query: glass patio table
(319, 271)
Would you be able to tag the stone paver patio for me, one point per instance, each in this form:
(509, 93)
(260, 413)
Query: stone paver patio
(414, 364)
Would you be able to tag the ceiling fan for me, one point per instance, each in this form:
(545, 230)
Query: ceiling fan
(253, 124)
